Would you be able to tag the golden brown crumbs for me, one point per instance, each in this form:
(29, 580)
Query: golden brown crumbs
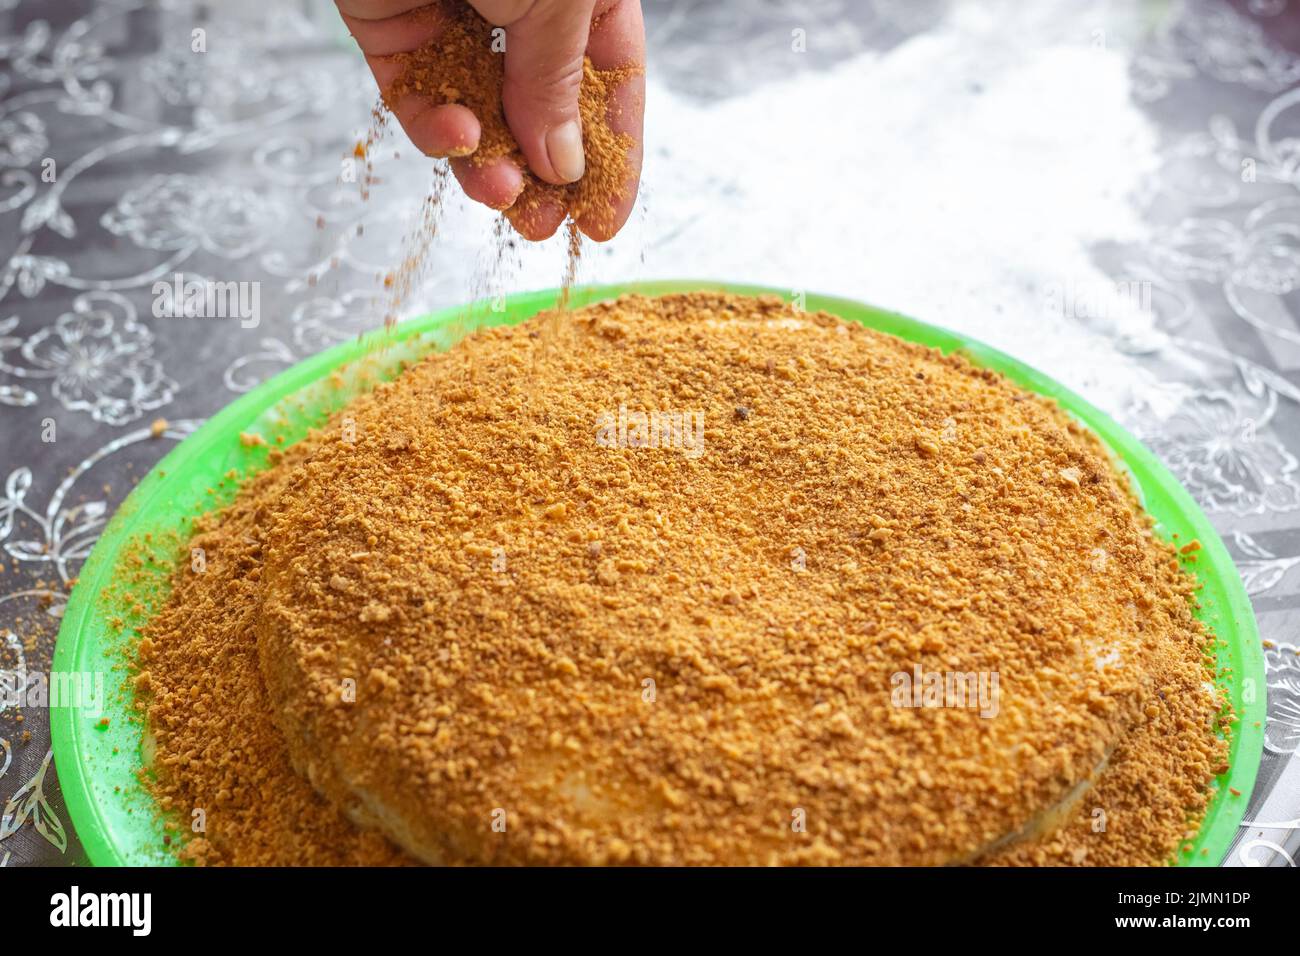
(214, 746)
(495, 638)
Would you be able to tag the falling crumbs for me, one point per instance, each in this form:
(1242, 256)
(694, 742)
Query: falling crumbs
(499, 618)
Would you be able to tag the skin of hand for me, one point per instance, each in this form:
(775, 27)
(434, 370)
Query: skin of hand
(545, 43)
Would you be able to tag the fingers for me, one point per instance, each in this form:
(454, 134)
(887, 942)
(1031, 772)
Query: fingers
(543, 73)
(501, 13)
(384, 27)
(436, 130)
(447, 130)
(377, 9)
(546, 41)
(618, 42)
(496, 184)
(396, 34)
(537, 221)
(617, 38)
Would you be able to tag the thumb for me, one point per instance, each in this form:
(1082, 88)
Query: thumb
(543, 72)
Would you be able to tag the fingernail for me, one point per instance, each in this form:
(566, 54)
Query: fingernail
(463, 150)
(564, 147)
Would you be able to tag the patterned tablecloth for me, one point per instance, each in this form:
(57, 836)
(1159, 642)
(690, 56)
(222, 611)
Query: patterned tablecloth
(1109, 191)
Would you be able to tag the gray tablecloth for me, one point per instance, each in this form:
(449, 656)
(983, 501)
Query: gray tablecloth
(1109, 191)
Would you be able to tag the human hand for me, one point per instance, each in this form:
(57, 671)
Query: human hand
(546, 41)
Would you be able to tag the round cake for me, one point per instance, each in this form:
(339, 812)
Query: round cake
(702, 579)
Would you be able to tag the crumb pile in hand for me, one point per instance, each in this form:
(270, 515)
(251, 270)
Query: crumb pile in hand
(460, 66)
(472, 599)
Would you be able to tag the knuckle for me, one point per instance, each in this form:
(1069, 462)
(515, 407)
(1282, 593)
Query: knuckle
(502, 13)
(564, 81)
(552, 90)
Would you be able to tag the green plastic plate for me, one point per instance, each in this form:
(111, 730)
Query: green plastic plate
(98, 756)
